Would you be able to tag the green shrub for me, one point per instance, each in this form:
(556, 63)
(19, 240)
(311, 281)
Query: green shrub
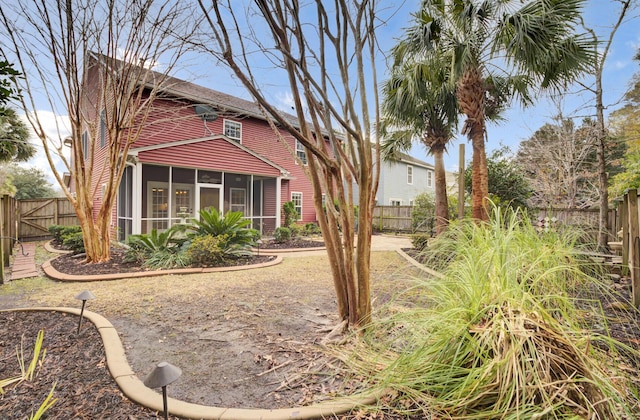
(311, 229)
(290, 214)
(74, 242)
(282, 234)
(208, 250)
(59, 232)
(56, 232)
(166, 259)
(158, 249)
(296, 230)
(420, 241)
(240, 237)
(423, 213)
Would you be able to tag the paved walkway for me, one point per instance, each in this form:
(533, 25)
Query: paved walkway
(24, 262)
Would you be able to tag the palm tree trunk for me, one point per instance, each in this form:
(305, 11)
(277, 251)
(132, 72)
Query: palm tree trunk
(442, 205)
(470, 96)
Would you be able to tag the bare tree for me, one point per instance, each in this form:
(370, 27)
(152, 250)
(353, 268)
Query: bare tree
(601, 52)
(92, 61)
(326, 55)
(558, 162)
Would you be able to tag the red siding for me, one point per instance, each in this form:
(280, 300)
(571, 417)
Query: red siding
(217, 154)
(172, 121)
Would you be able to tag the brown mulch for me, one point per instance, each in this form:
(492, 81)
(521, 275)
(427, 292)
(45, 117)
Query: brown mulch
(74, 264)
(292, 243)
(74, 363)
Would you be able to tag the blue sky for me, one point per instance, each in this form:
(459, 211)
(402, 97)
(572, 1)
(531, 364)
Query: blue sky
(519, 124)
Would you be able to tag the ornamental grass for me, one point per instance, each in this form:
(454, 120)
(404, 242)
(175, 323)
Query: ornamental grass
(506, 333)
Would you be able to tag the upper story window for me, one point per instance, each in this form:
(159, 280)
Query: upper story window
(429, 178)
(301, 153)
(103, 128)
(395, 202)
(85, 145)
(410, 175)
(233, 130)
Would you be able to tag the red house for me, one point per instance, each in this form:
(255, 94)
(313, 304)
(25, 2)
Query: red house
(202, 148)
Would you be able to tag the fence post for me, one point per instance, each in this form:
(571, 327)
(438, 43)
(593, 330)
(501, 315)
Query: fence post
(624, 220)
(7, 218)
(634, 245)
(2, 200)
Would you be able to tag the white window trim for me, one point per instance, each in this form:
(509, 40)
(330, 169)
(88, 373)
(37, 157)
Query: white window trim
(391, 201)
(429, 178)
(409, 175)
(301, 153)
(244, 200)
(171, 197)
(301, 201)
(224, 128)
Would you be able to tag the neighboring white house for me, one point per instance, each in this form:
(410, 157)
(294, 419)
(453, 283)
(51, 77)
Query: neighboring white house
(402, 179)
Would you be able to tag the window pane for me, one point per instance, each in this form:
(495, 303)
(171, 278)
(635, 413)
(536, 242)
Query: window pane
(296, 197)
(233, 130)
(301, 153)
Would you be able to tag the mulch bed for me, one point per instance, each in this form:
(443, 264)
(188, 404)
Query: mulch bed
(74, 264)
(75, 363)
(292, 243)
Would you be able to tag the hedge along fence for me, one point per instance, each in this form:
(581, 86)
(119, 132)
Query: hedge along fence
(8, 230)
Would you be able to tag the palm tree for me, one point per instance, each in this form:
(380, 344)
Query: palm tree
(509, 46)
(418, 104)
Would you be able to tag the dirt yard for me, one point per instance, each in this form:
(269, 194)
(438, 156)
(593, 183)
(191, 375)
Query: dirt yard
(247, 339)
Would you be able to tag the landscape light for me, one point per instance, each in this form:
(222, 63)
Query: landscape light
(161, 376)
(84, 297)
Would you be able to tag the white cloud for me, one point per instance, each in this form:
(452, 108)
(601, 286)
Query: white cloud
(56, 128)
(618, 65)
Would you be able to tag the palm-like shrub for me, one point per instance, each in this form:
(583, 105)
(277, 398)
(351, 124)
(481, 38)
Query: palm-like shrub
(239, 236)
(502, 333)
(158, 250)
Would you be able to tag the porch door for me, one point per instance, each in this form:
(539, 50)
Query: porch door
(210, 197)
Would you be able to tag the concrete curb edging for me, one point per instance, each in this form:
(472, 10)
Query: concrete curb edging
(135, 390)
(50, 271)
(49, 248)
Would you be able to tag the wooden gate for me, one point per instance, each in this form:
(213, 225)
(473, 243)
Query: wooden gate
(36, 215)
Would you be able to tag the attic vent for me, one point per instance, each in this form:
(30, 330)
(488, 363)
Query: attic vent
(206, 112)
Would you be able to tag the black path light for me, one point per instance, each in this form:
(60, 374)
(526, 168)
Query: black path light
(161, 376)
(84, 297)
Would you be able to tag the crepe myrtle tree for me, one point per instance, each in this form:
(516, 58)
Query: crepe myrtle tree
(325, 53)
(53, 46)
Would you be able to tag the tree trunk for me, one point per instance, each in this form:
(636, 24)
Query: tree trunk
(442, 205)
(603, 181)
(470, 96)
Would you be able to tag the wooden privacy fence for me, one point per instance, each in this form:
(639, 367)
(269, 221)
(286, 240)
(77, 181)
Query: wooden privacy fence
(8, 230)
(36, 215)
(398, 218)
(394, 218)
(630, 221)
